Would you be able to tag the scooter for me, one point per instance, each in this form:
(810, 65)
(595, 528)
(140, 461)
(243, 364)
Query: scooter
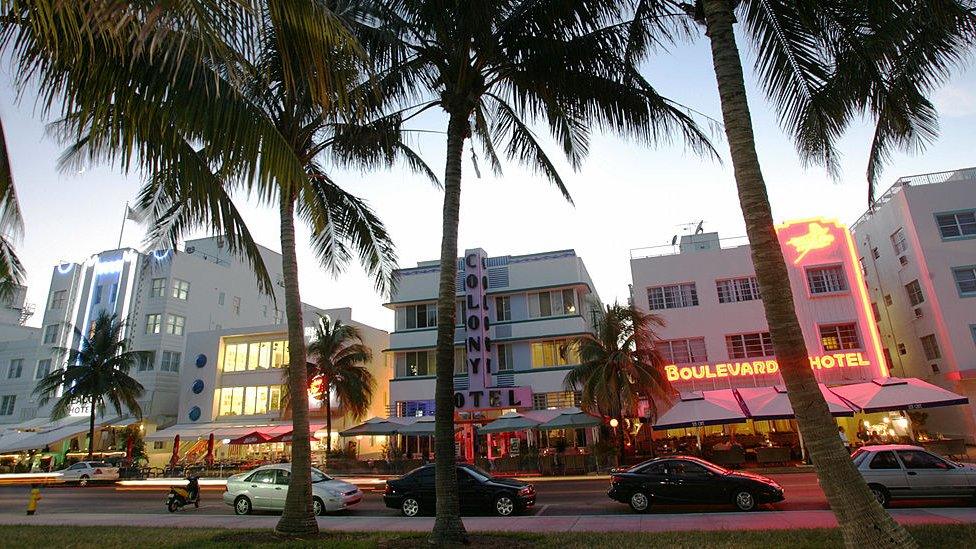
(181, 497)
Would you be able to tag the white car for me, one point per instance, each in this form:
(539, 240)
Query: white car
(895, 471)
(84, 472)
(265, 488)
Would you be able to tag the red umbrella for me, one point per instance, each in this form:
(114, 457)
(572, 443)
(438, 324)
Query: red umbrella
(286, 437)
(128, 448)
(209, 458)
(176, 452)
(255, 437)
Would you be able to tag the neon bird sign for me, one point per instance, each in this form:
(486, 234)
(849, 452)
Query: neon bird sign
(818, 237)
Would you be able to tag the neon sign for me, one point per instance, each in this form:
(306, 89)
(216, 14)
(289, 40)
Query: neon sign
(818, 237)
(760, 367)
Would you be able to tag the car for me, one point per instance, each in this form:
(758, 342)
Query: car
(478, 491)
(84, 472)
(265, 488)
(690, 480)
(895, 471)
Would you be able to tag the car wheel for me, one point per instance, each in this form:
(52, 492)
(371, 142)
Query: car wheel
(410, 507)
(744, 500)
(242, 506)
(881, 494)
(639, 502)
(504, 505)
(318, 508)
(83, 481)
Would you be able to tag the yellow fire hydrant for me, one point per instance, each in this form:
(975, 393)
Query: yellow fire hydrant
(35, 496)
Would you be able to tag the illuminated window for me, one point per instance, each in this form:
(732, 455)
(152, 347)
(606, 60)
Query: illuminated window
(170, 361)
(158, 287)
(147, 361)
(58, 298)
(250, 396)
(839, 337)
(503, 308)
(279, 354)
(674, 296)
(551, 303)
(955, 225)
(181, 289)
(505, 360)
(51, 334)
(274, 398)
(417, 363)
(460, 312)
(755, 345)
(965, 280)
(554, 352)
(237, 401)
(558, 399)
(931, 347)
(253, 353)
(460, 361)
(825, 280)
(682, 351)
(261, 401)
(737, 289)
(264, 362)
(914, 292)
(898, 242)
(175, 324)
(153, 323)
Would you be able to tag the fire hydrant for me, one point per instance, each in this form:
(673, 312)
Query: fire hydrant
(35, 496)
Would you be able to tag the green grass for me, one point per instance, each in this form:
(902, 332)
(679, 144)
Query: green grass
(941, 536)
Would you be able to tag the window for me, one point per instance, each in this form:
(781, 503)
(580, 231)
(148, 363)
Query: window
(158, 288)
(874, 253)
(147, 361)
(552, 303)
(887, 300)
(884, 460)
(917, 459)
(97, 295)
(220, 298)
(825, 280)
(965, 280)
(159, 445)
(953, 225)
(876, 312)
(931, 347)
(755, 345)
(559, 399)
(16, 368)
(237, 305)
(170, 361)
(278, 316)
(503, 308)
(248, 401)
(421, 316)
(683, 351)
(58, 299)
(51, 334)
(864, 269)
(839, 337)
(556, 352)
(672, 297)
(418, 363)
(460, 361)
(902, 350)
(43, 368)
(181, 289)
(115, 293)
(898, 241)
(7, 405)
(174, 324)
(914, 292)
(737, 289)
(505, 360)
(152, 323)
(687, 470)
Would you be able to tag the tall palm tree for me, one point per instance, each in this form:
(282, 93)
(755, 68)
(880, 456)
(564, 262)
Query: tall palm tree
(821, 64)
(620, 367)
(495, 69)
(96, 372)
(339, 355)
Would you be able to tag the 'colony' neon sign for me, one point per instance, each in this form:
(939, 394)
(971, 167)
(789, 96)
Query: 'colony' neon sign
(818, 237)
(760, 367)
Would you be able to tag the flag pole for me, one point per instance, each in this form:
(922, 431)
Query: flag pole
(125, 215)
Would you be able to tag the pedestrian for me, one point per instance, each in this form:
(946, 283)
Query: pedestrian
(35, 496)
(843, 437)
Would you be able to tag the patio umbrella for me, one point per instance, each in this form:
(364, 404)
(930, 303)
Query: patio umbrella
(128, 448)
(373, 426)
(176, 452)
(209, 458)
(768, 403)
(700, 408)
(254, 437)
(422, 426)
(572, 418)
(894, 393)
(509, 423)
(286, 437)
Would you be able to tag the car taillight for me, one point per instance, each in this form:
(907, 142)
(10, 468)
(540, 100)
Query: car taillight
(615, 479)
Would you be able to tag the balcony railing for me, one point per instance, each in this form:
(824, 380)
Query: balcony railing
(935, 178)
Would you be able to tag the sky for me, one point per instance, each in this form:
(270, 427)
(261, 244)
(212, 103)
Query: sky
(626, 196)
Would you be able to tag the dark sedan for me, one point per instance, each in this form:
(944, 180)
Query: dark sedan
(690, 480)
(478, 491)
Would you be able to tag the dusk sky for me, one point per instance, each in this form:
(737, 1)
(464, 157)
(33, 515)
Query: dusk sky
(626, 196)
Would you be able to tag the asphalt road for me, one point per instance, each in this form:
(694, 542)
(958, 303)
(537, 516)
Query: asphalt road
(554, 498)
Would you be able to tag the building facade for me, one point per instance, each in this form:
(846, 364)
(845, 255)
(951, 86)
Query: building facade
(917, 246)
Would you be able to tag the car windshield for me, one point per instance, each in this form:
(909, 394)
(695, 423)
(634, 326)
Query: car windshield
(478, 473)
(319, 476)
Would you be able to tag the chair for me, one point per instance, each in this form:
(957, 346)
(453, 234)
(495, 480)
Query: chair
(772, 454)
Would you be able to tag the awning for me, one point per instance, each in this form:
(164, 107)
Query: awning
(220, 430)
(894, 393)
(254, 437)
(700, 408)
(54, 432)
(571, 418)
(767, 403)
(510, 423)
(372, 427)
(421, 426)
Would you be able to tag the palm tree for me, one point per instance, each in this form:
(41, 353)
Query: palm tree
(96, 372)
(821, 63)
(338, 356)
(620, 367)
(496, 68)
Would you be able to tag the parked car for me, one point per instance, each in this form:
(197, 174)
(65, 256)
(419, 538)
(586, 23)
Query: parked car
(895, 471)
(265, 489)
(682, 479)
(478, 491)
(84, 472)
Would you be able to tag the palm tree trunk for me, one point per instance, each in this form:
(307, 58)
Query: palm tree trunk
(448, 528)
(620, 441)
(91, 430)
(863, 522)
(297, 518)
(328, 421)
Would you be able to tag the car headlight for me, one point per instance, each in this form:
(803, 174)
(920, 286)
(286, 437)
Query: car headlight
(333, 493)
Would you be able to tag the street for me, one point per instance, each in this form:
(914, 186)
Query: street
(555, 498)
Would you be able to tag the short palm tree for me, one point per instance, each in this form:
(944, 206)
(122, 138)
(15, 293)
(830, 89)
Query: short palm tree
(95, 373)
(620, 367)
(338, 357)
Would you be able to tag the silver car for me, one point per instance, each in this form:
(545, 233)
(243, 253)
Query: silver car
(895, 471)
(265, 488)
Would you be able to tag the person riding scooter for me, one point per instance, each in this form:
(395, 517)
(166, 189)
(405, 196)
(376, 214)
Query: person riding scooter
(180, 496)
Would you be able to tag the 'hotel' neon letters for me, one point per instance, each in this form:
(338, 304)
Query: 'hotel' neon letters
(759, 367)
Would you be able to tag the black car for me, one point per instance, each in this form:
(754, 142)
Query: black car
(683, 479)
(477, 491)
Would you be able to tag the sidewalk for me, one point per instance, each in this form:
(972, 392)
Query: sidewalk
(763, 520)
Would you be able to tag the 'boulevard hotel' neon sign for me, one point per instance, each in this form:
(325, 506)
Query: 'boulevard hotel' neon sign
(480, 394)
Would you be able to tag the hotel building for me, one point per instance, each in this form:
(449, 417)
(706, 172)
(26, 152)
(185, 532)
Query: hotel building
(917, 246)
